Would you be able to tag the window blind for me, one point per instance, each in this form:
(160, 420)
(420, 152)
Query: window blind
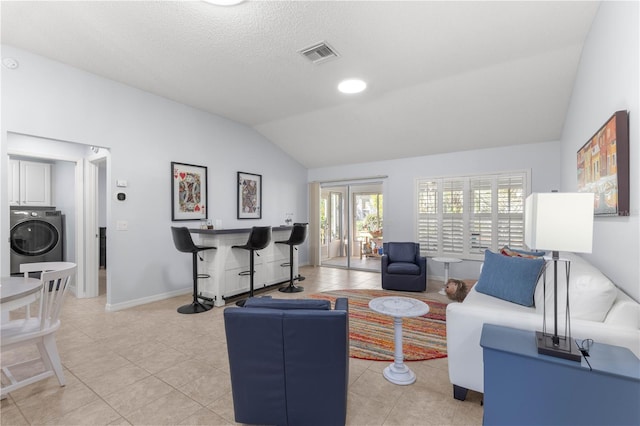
(464, 216)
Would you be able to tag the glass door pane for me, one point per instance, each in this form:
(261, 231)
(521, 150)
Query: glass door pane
(333, 222)
(368, 227)
(351, 221)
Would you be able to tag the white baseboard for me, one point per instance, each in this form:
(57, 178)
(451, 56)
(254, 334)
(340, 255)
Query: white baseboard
(142, 301)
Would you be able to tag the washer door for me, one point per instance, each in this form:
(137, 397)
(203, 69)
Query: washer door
(34, 238)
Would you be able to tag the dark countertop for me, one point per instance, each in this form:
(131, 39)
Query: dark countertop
(234, 231)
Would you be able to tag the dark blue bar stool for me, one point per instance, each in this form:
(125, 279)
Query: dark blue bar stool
(297, 237)
(259, 238)
(184, 243)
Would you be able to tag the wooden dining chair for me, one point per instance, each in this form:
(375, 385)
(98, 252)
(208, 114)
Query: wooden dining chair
(39, 329)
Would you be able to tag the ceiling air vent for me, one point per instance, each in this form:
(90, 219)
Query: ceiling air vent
(319, 53)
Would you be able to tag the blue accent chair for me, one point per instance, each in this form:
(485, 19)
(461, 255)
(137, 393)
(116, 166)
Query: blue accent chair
(402, 267)
(289, 361)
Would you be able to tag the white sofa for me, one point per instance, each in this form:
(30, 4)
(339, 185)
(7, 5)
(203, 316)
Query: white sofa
(599, 311)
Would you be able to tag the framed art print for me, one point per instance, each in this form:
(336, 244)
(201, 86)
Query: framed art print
(603, 166)
(188, 192)
(249, 196)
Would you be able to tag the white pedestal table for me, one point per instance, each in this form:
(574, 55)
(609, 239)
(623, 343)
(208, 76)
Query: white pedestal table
(399, 307)
(446, 261)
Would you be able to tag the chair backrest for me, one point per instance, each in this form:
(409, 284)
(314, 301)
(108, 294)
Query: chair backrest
(182, 239)
(55, 278)
(299, 233)
(29, 268)
(401, 252)
(295, 351)
(54, 288)
(259, 238)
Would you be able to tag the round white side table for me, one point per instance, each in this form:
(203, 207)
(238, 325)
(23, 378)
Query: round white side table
(399, 307)
(446, 261)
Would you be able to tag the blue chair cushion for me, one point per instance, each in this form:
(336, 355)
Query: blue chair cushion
(263, 302)
(401, 252)
(403, 268)
(510, 278)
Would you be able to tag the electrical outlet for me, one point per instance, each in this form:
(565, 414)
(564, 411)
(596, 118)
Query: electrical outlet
(122, 225)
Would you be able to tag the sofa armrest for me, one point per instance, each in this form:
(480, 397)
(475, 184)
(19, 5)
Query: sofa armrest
(464, 328)
(422, 262)
(342, 304)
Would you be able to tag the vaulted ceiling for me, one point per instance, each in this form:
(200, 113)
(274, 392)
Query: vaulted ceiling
(442, 76)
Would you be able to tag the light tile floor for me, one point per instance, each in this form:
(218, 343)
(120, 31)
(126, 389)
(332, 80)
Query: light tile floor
(150, 365)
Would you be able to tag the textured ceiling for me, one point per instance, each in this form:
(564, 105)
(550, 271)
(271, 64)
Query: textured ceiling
(443, 76)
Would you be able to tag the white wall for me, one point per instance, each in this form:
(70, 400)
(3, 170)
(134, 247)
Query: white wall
(607, 81)
(144, 133)
(542, 159)
(63, 180)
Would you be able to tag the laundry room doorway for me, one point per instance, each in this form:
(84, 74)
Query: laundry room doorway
(77, 173)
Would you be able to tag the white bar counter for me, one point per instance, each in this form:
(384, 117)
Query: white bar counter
(224, 264)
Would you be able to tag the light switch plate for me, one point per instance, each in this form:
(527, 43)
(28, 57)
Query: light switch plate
(120, 183)
(122, 225)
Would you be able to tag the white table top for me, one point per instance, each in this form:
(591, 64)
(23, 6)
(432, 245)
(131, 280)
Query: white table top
(396, 306)
(447, 259)
(13, 288)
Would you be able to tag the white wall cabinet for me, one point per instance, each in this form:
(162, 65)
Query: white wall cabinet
(29, 183)
(14, 182)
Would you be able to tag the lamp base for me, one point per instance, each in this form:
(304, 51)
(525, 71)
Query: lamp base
(566, 349)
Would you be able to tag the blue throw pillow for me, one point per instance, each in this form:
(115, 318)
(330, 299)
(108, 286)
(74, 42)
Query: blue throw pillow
(510, 278)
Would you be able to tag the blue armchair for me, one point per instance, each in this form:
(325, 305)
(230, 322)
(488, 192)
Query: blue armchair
(403, 268)
(289, 361)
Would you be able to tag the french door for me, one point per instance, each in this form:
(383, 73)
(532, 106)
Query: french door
(351, 225)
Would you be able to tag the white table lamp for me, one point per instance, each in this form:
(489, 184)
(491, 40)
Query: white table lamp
(557, 222)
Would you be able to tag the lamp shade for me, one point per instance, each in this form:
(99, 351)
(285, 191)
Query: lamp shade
(559, 221)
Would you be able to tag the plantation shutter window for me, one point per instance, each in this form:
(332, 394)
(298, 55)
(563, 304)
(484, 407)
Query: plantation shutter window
(452, 224)
(511, 196)
(428, 221)
(481, 214)
(464, 216)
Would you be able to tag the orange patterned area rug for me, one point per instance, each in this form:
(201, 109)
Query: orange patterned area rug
(371, 333)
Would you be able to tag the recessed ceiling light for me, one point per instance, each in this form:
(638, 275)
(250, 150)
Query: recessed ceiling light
(224, 2)
(352, 86)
